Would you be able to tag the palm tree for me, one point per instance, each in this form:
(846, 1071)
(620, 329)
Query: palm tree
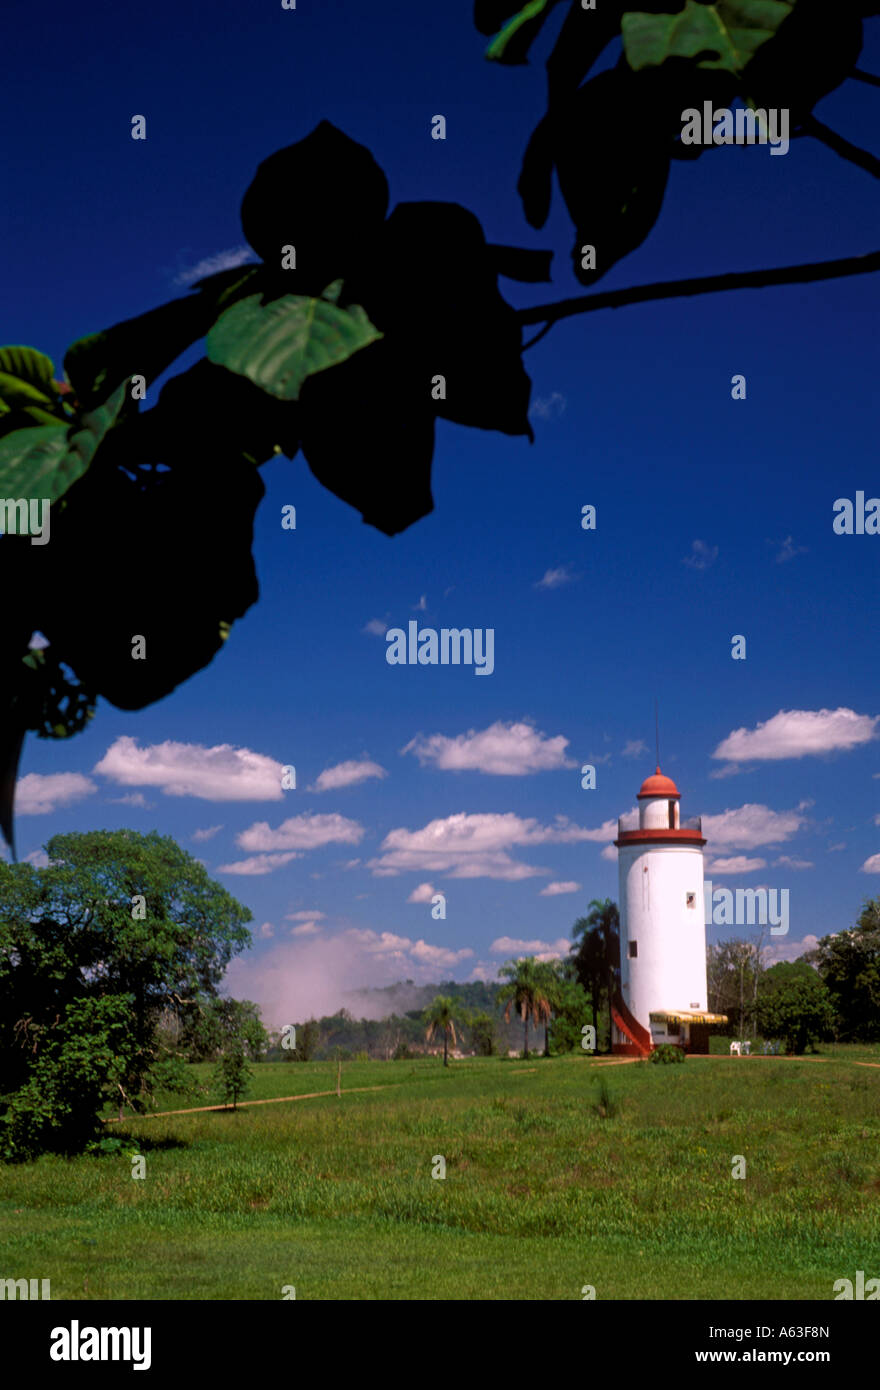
(527, 991)
(602, 922)
(438, 1015)
(550, 980)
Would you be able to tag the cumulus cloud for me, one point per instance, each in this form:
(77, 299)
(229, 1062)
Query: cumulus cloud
(541, 950)
(208, 833)
(786, 861)
(737, 864)
(131, 799)
(266, 931)
(306, 929)
(375, 627)
(347, 774)
(302, 833)
(39, 793)
(38, 858)
(221, 773)
(553, 890)
(504, 750)
(609, 852)
(787, 950)
(478, 846)
(258, 864)
(701, 556)
(798, 733)
(423, 894)
(750, 826)
(555, 578)
(212, 265)
(872, 865)
(304, 916)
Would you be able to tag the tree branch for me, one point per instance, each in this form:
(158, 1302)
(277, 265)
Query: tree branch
(549, 314)
(865, 77)
(835, 142)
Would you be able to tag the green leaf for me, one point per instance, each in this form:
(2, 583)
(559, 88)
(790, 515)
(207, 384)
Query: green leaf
(512, 44)
(47, 460)
(29, 366)
(725, 35)
(278, 345)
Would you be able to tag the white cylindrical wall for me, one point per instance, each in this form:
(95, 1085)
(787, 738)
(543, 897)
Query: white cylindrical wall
(669, 971)
(654, 812)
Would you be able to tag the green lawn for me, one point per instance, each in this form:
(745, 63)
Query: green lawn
(545, 1190)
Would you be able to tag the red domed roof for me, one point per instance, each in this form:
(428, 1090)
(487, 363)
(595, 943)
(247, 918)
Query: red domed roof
(658, 785)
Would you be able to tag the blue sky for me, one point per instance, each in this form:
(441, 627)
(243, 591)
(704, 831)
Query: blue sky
(714, 516)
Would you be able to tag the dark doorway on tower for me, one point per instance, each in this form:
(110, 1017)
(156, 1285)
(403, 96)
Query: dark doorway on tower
(672, 815)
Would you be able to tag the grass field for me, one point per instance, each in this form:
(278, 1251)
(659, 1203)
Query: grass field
(550, 1185)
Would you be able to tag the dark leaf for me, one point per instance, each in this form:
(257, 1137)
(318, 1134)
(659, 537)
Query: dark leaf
(535, 185)
(326, 197)
(11, 743)
(517, 263)
(368, 436)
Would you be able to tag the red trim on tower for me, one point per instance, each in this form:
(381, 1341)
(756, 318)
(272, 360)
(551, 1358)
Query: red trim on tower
(659, 837)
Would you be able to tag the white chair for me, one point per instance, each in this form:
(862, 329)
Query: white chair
(735, 1050)
(747, 1048)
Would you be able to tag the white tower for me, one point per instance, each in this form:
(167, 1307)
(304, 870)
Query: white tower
(663, 991)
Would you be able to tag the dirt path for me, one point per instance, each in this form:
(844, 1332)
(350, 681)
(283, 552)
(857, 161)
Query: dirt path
(272, 1100)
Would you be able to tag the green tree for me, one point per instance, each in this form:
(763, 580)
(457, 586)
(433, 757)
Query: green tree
(849, 965)
(601, 954)
(215, 1021)
(794, 1005)
(571, 1007)
(232, 1073)
(733, 971)
(482, 1031)
(438, 1018)
(115, 916)
(527, 991)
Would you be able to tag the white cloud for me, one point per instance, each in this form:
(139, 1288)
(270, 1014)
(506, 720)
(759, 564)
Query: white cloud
(750, 826)
(131, 799)
(788, 550)
(422, 604)
(541, 950)
(208, 833)
(553, 890)
(266, 931)
(221, 773)
(304, 916)
(609, 852)
(548, 407)
(423, 894)
(785, 861)
(833, 848)
(555, 578)
(258, 864)
(302, 832)
(39, 793)
(737, 864)
(872, 865)
(504, 750)
(478, 846)
(347, 774)
(212, 265)
(701, 556)
(306, 929)
(38, 858)
(634, 748)
(787, 950)
(797, 733)
(375, 627)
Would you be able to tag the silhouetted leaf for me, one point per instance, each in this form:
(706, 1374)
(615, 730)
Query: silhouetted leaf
(194, 524)
(208, 410)
(325, 196)
(47, 460)
(11, 743)
(809, 56)
(278, 345)
(368, 436)
(535, 185)
(612, 159)
(147, 344)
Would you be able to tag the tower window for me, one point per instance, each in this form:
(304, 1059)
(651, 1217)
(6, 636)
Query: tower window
(633, 949)
(672, 815)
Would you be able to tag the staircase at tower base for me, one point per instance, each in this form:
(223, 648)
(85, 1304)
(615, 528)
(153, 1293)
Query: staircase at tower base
(638, 1042)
